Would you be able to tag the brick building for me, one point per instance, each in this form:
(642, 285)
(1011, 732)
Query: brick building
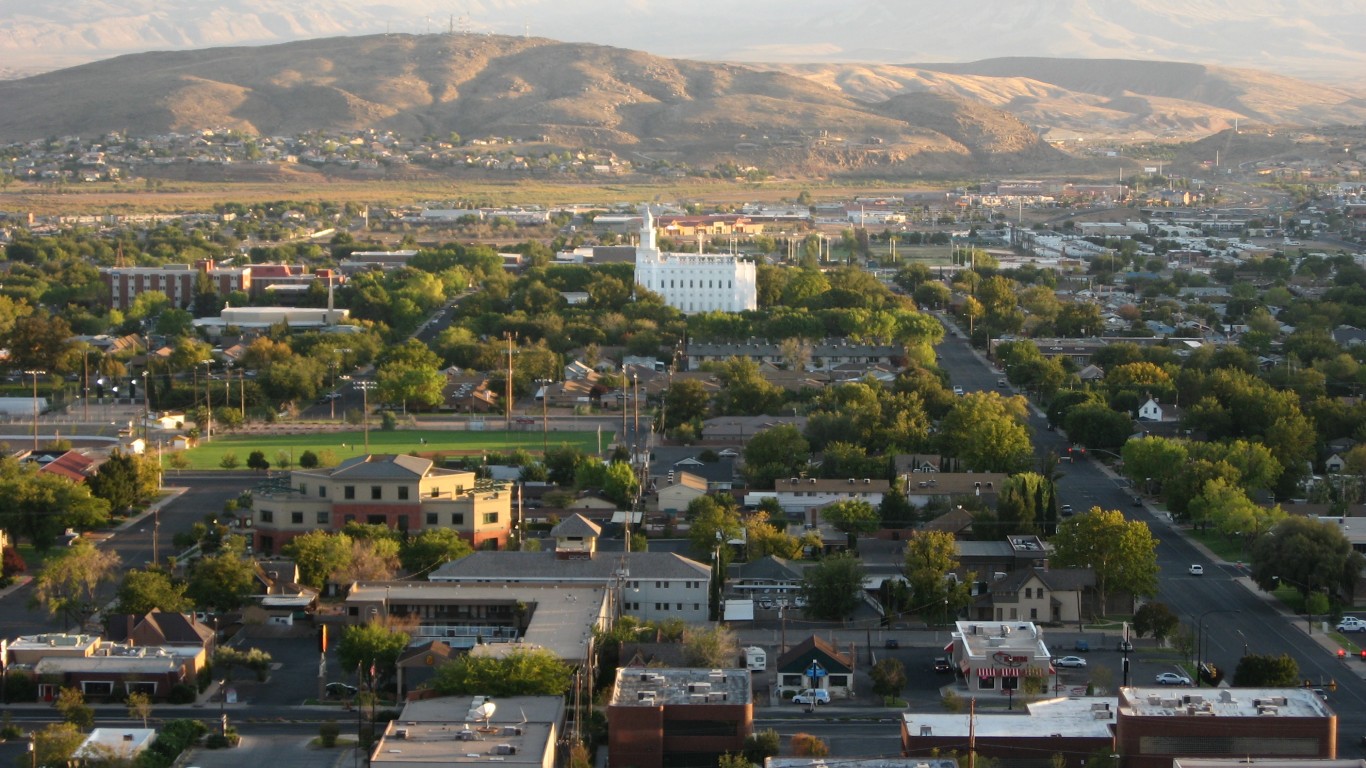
(177, 281)
(660, 716)
(405, 493)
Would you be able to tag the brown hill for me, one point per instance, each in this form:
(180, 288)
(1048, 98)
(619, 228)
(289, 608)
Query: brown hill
(566, 94)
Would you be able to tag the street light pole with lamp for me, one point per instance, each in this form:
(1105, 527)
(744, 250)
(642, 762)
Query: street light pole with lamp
(1309, 589)
(35, 373)
(365, 387)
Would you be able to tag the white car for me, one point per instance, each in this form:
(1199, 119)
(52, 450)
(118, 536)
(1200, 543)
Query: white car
(1171, 678)
(1351, 624)
(958, 390)
(812, 696)
(1197, 570)
(1070, 661)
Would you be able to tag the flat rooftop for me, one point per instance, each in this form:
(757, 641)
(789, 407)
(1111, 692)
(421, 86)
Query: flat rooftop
(1227, 702)
(439, 732)
(672, 686)
(1088, 717)
(562, 617)
(984, 638)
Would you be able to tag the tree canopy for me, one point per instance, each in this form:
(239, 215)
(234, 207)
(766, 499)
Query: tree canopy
(1122, 553)
(530, 672)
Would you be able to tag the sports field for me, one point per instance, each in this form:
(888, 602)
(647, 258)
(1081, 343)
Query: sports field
(345, 445)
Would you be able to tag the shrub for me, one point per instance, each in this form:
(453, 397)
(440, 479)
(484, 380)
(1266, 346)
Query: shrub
(20, 686)
(308, 460)
(11, 563)
(182, 693)
(328, 733)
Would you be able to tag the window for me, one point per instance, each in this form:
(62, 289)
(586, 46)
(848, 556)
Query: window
(457, 518)
(1028, 593)
(1033, 613)
(432, 519)
(267, 516)
(376, 520)
(322, 518)
(436, 492)
(839, 681)
(661, 606)
(376, 492)
(490, 518)
(303, 489)
(296, 518)
(349, 492)
(349, 519)
(793, 681)
(986, 683)
(403, 493)
(97, 688)
(322, 491)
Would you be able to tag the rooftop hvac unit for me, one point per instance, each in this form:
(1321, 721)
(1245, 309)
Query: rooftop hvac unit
(401, 733)
(645, 695)
(504, 749)
(512, 730)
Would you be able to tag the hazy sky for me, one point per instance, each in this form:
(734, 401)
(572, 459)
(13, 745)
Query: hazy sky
(1299, 37)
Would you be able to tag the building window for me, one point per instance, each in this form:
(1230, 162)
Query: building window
(431, 518)
(97, 688)
(322, 518)
(403, 493)
(436, 492)
(986, 683)
(1033, 613)
(267, 516)
(376, 492)
(376, 520)
(457, 518)
(296, 518)
(490, 518)
(322, 491)
(1028, 593)
(349, 492)
(839, 681)
(303, 489)
(793, 681)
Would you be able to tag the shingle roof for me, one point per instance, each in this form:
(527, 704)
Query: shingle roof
(770, 567)
(383, 467)
(576, 526)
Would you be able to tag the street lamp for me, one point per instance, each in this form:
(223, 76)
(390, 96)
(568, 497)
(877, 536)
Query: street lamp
(35, 373)
(1200, 639)
(545, 426)
(365, 387)
(208, 401)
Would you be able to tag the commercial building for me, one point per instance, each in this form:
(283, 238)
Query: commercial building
(405, 493)
(450, 731)
(1075, 728)
(695, 282)
(177, 281)
(994, 656)
(1157, 725)
(651, 585)
(661, 716)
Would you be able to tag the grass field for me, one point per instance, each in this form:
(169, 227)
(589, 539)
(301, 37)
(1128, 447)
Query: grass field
(345, 445)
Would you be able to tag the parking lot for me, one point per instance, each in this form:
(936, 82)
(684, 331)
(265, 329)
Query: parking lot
(291, 750)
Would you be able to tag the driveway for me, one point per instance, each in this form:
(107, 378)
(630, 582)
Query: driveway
(291, 750)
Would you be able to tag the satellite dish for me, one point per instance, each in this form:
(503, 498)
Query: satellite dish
(482, 709)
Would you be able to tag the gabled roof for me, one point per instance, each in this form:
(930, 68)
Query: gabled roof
(800, 656)
(1060, 580)
(70, 465)
(576, 526)
(771, 567)
(164, 626)
(383, 467)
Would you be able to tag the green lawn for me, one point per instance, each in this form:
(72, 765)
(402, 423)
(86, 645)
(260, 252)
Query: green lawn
(345, 445)
(1227, 548)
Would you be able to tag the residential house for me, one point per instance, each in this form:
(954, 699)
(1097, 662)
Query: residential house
(1065, 595)
(987, 559)
(925, 488)
(804, 495)
(815, 663)
(769, 577)
(180, 633)
(738, 429)
(681, 490)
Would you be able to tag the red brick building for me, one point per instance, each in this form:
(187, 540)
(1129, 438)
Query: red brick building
(671, 717)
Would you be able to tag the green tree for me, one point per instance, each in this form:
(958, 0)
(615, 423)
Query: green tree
(1098, 426)
(806, 745)
(851, 517)
(39, 506)
(532, 672)
(778, 452)
(711, 647)
(71, 703)
(257, 460)
(763, 539)
(227, 660)
(685, 401)
(55, 744)
(123, 481)
(148, 590)
(620, 484)
(308, 460)
(140, 706)
(1265, 671)
(229, 460)
(1122, 553)
(832, 587)
(1155, 619)
(987, 433)
(762, 744)
(931, 556)
(430, 548)
(371, 645)
(889, 677)
(744, 390)
(1308, 554)
(221, 581)
(319, 554)
(66, 586)
(711, 523)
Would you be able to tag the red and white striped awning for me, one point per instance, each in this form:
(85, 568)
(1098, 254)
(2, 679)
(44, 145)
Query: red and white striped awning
(1010, 672)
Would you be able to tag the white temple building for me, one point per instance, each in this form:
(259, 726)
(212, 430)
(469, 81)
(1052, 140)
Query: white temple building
(695, 282)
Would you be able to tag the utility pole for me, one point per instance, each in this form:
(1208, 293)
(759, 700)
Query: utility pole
(208, 401)
(507, 423)
(35, 373)
(364, 387)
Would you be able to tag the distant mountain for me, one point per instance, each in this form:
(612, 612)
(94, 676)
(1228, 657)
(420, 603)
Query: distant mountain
(816, 118)
(1323, 39)
(570, 95)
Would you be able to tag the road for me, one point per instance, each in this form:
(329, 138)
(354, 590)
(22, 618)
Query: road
(204, 496)
(1235, 617)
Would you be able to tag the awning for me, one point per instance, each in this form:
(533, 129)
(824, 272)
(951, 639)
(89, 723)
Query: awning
(1010, 672)
(949, 648)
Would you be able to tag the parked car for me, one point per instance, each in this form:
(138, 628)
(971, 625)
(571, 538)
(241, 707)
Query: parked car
(892, 642)
(1082, 646)
(812, 696)
(1171, 678)
(1125, 647)
(957, 390)
(1351, 624)
(1070, 661)
(942, 665)
(1065, 510)
(1196, 569)
(341, 690)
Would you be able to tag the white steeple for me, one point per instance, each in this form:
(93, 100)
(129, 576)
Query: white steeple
(647, 231)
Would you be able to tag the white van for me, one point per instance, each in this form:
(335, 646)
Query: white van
(756, 660)
(812, 696)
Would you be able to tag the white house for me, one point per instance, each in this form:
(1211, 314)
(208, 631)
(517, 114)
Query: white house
(803, 494)
(1150, 411)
